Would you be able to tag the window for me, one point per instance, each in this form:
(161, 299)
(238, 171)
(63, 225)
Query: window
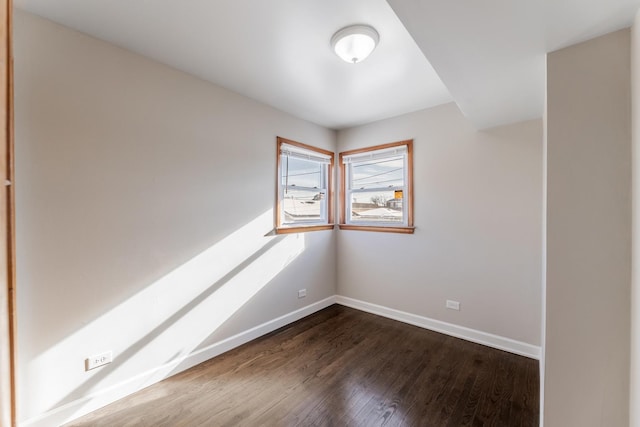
(305, 197)
(377, 188)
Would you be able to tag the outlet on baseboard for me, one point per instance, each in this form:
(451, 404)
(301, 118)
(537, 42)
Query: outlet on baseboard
(453, 305)
(98, 360)
(302, 293)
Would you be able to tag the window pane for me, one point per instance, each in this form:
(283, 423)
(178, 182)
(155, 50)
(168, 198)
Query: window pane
(378, 173)
(301, 173)
(377, 206)
(303, 205)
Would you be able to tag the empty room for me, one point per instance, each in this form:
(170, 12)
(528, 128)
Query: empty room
(320, 213)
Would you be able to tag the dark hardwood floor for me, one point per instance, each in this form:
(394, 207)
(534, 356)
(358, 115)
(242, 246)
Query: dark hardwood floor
(341, 367)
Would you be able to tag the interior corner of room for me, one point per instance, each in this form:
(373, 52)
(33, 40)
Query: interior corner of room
(144, 209)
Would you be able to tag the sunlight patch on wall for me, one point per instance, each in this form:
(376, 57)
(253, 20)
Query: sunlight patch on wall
(167, 320)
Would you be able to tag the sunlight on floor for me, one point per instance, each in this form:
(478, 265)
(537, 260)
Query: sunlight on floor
(164, 323)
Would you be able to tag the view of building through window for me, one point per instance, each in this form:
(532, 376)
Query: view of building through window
(375, 183)
(377, 189)
(304, 184)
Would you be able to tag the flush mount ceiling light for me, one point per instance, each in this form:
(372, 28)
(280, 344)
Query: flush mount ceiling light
(354, 43)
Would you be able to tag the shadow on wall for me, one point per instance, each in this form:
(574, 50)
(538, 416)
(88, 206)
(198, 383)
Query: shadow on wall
(164, 323)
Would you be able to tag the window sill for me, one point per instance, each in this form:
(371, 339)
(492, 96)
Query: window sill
(378, 228)
(303, 228)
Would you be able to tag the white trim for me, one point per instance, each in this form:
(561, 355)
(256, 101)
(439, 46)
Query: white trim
(383, 153)
(305, 154)
(479, 337)
(73, 410)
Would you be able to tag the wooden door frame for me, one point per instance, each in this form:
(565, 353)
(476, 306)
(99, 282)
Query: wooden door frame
(7, 223)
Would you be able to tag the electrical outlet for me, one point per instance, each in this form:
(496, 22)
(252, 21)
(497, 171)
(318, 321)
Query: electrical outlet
(453, 305)
(302, 293)
(98, 360)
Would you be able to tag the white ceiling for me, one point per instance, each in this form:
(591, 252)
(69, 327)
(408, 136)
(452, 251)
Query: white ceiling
(490, 54)
(275, 51)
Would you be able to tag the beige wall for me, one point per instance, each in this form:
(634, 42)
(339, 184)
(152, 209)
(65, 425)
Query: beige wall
(588, 234)
(634, 401)
(139, 186)
(143, 198)
(478, 214)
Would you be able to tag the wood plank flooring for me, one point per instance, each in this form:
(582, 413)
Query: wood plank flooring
(341, 367)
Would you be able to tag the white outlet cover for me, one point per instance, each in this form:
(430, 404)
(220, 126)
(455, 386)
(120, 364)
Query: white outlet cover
(453, 305)
(302, 293)
(98, 360)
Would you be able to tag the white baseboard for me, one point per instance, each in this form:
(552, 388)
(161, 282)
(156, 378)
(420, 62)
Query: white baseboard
(479, 337)
(72, 410)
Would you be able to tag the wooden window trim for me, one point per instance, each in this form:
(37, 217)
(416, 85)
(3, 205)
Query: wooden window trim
(382, 229)
(330, 203)
(405, 229)
(303, 229)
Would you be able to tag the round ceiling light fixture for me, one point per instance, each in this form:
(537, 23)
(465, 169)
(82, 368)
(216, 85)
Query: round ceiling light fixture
(354, 43)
